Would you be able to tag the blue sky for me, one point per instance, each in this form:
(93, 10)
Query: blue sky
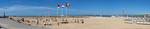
(79, 7)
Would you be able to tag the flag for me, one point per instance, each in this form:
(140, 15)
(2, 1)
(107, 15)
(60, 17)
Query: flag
(63, 6)
(58, 5)
(67, 4)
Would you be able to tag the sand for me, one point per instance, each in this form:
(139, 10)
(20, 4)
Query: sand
(9, 24)
(101, 23)
(98, 23)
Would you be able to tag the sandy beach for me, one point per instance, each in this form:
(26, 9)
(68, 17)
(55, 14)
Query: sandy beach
(101, 23)
(81, 23)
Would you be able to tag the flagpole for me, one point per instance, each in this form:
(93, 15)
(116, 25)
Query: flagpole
(145, 13)
(101, 10)
(48, 12)
(58, 7)
(67, 9)
(96, 12)
(61, 11)
(66, 12)
(123, 12)
(57, 12)
(4, 12)
(68, 5)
